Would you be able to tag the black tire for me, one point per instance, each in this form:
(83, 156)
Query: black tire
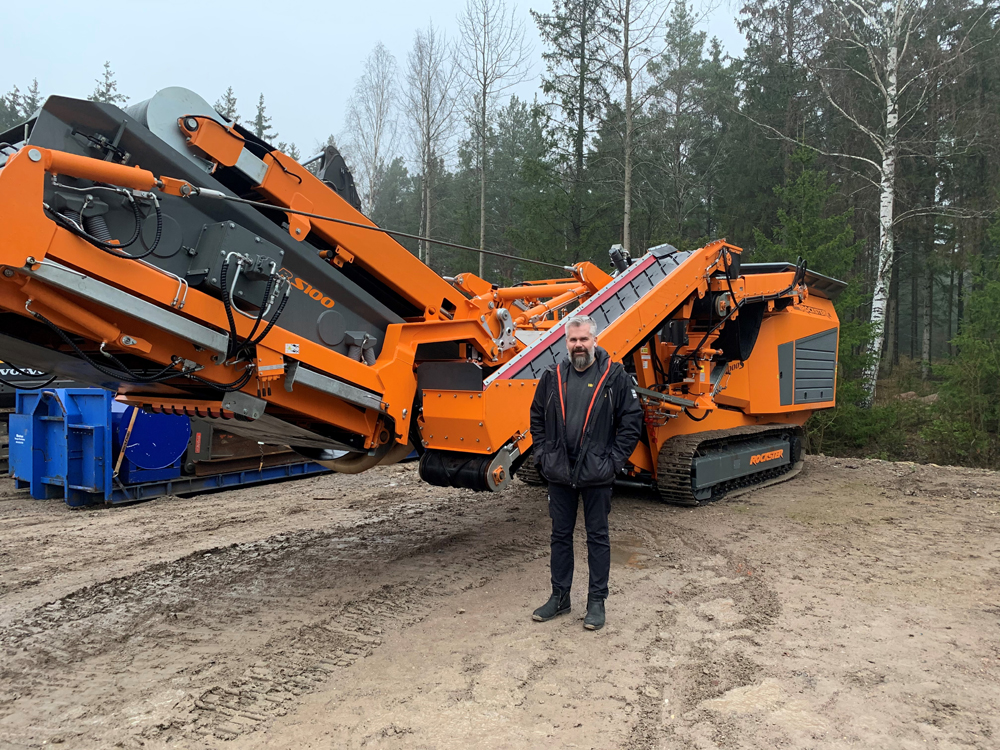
(528, 474)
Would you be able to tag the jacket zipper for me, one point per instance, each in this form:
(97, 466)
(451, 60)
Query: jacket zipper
(585, 439)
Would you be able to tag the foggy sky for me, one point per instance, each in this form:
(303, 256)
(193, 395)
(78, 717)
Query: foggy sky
(303, 56)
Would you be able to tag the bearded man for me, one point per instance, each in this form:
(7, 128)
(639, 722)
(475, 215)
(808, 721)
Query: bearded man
(585, 423)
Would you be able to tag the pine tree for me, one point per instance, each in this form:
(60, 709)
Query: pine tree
(397, 203)
(526, 193)
(290, 149)
(807, 225)
(813, 224)
(261, 125)
(31, 100)
(577, 72)
(10, 109)
(777, 99)
(681, 77)
(967, 427)
(225, 105)
(107, 88)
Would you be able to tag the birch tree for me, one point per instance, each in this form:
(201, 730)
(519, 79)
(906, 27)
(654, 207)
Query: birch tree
(430, 99)
(493, 57)
(631, 42)
(881, 62)
(371, 123)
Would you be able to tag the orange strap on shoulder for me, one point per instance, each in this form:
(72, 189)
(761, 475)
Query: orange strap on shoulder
(592, 400)
(562, 401)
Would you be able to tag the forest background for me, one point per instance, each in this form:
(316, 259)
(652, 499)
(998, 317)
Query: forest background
(860, 135)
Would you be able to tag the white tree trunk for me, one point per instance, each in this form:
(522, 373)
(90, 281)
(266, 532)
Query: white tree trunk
(887, 198)
(482, 182)
(427, 212)
(421, 245)
(427, 225)
(629, 129)
(925, 350)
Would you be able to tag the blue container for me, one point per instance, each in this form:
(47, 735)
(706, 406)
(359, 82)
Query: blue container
(65, 442)
(60, 444)
(156, 443)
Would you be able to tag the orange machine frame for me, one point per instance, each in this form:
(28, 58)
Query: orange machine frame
(467, 310)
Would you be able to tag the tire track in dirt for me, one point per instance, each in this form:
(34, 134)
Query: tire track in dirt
(291, 667)
(720, 606)
(384, 569)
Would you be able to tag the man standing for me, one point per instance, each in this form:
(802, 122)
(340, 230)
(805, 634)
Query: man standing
(585, 423)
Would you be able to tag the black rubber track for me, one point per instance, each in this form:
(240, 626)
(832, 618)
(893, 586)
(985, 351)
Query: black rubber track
(673, 480)
(528, 474)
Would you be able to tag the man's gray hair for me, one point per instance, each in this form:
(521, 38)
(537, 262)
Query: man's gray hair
(583, 320)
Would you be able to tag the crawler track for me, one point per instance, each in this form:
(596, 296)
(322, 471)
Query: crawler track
(528, 473)
(674, 480)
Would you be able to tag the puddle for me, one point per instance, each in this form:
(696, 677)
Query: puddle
(797, 716)
(629, 552)
(744, 700)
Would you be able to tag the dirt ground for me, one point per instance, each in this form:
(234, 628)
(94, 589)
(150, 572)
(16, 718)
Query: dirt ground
(855, 606)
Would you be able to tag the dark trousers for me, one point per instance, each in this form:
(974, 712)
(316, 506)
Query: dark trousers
(563, 501)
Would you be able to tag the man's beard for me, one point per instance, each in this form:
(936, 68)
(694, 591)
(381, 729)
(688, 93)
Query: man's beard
(583, 359)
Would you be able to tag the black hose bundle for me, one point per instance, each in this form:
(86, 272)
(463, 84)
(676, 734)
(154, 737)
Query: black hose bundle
(94, 229)
(238, 348)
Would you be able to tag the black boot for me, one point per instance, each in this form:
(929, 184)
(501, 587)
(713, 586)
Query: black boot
(595, 613)
(558, 604)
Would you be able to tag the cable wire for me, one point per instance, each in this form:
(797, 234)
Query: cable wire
(19, 387)
(258, 204)
(126, 375)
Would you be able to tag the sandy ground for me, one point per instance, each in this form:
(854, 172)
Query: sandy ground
(855, 606)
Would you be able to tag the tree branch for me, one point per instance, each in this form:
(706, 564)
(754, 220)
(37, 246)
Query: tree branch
(821, 152)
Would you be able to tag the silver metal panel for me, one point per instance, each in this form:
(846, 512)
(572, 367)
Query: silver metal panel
(786, 363)
(815, 367)
(244, 404)
(92, 289)
(251, 166)
(348, 393)
(161, 113)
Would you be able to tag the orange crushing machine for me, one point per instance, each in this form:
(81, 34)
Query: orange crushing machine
(170, 255)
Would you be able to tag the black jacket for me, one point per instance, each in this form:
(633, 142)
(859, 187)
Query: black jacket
(610, 433)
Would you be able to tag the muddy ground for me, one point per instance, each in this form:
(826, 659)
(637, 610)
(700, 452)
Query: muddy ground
(855, 606)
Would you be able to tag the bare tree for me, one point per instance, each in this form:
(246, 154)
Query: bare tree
(494, 57)
(370, 123)
(430, 97)
(632, 40)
